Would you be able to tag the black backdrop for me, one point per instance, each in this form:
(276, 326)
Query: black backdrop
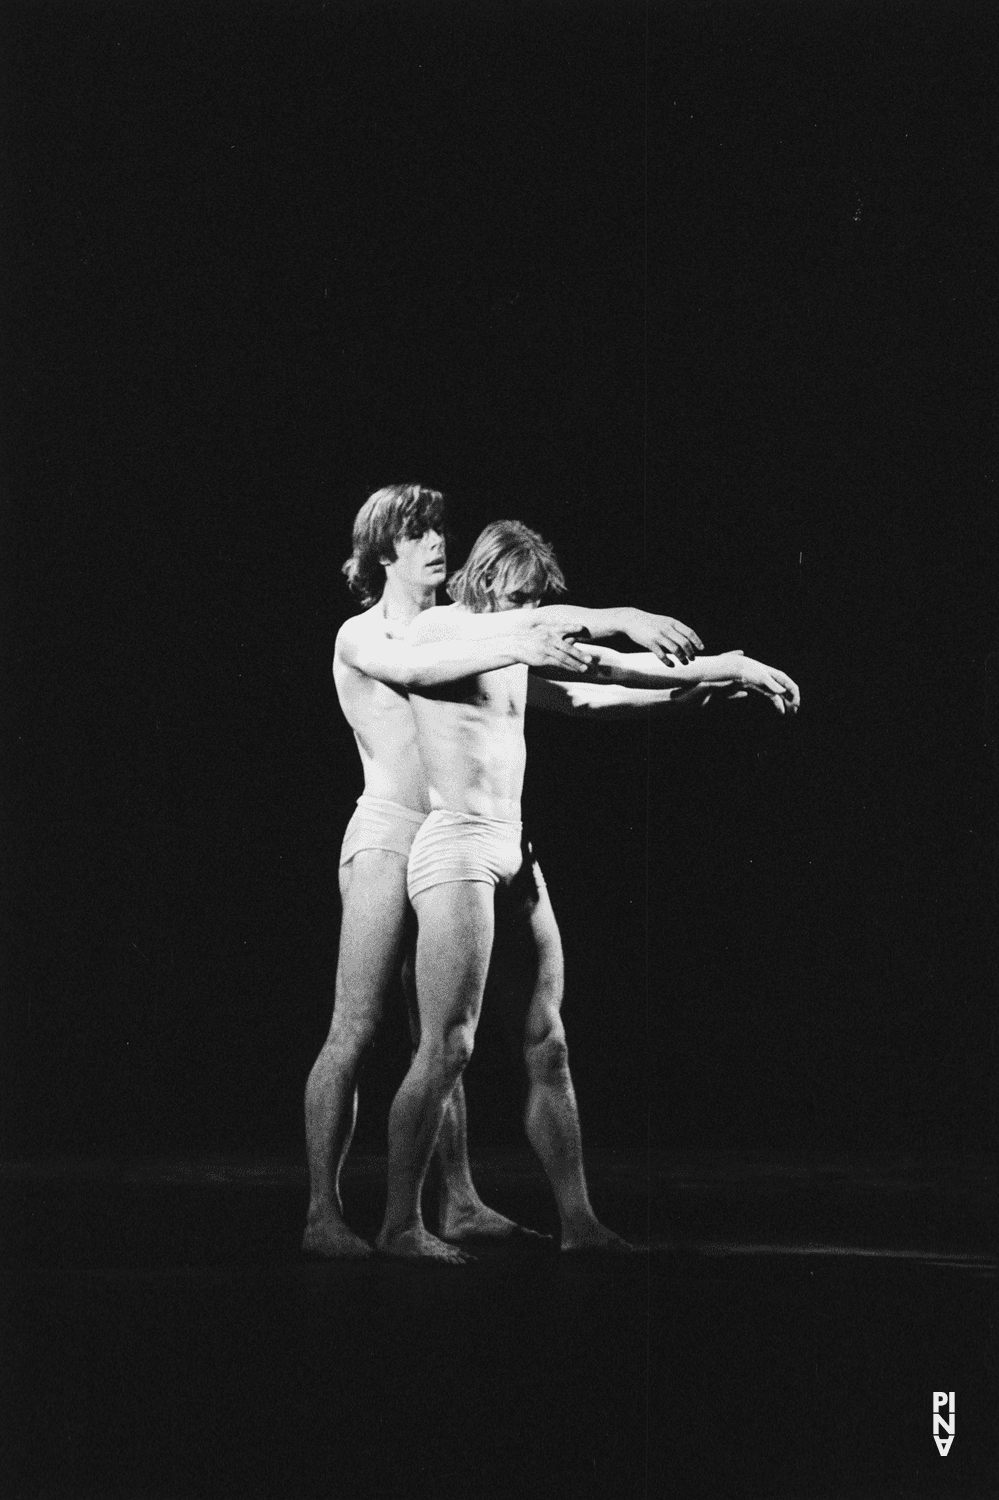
(704, 292)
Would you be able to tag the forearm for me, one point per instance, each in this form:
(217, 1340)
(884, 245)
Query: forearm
(641, 670)
(450, 661)
(598, 623)
(431, 664)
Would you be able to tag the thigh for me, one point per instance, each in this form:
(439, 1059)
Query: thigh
(453, 948)
(528, 978)
(373, 894)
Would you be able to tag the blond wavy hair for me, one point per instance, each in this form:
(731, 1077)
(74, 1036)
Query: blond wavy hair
(507, 557)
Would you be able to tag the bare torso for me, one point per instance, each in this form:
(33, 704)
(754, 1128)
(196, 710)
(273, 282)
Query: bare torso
(382, 721)
(470, 736)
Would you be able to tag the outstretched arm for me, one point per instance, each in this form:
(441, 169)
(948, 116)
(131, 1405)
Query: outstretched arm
(732, 670)
(589, 700)
(406, 666)
(664, 637)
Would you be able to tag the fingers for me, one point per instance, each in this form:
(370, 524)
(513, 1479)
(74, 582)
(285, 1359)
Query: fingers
(673, 650)
(770, 690)
(791, 689)
(586, 659)
(555, 650)
(560, 657)
(580, 659)
(774, 684)
(671, 638)
(787, 688)
(689, 639)
(550, 654)
(763, 682)
(666, 643)
(682, 642)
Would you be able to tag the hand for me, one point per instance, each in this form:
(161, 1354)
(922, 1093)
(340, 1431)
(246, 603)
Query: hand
(772, 683)
(547, 646)
(666, 637)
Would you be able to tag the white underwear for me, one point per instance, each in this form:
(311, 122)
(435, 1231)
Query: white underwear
(380, 824)
(453, 846)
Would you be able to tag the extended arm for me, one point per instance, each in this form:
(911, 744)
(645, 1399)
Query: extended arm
(589, 700)
(659, 634)
(409, 665)
(732, 670)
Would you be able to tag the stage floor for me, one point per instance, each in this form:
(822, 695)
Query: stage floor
(782, 1334)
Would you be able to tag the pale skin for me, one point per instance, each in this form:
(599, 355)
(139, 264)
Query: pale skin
(374, 672)
(471, 738)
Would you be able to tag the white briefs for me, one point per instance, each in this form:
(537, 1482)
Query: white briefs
(454, 846)
(380, 824)
(442, 846)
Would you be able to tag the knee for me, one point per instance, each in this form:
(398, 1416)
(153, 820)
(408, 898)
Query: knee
(348, 1039)
(457, 1050)
(547, 1056)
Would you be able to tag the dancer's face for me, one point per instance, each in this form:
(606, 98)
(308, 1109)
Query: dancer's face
(420, 561)
(515, 599)
(512, 588)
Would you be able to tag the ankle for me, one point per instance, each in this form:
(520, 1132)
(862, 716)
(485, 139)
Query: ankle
(326, 1207)
(458, 1192)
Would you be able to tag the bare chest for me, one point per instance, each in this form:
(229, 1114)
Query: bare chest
(501, 694)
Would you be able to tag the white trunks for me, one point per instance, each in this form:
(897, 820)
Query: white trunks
(453, 846)
(379, 824)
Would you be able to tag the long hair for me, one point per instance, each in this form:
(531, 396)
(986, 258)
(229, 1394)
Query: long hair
(399, 510)
(507, 557)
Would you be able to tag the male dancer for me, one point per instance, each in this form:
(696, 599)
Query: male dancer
(471, 741)
(396, 567)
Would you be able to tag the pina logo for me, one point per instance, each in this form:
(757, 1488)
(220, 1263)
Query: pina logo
(943, 1420)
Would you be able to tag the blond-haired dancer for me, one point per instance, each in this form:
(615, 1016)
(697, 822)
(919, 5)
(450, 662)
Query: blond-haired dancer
(470, 735)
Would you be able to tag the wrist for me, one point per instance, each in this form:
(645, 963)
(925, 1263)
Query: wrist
(717, 670)
(736, 669)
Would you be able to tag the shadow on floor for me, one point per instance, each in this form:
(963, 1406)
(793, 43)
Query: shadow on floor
(782, 1334)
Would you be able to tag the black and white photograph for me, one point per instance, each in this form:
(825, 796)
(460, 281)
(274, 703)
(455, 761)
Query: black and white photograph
(499, 750)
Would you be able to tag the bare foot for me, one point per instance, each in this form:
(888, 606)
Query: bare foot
(420, 1244)
(463, 1221)
(592, 1235)
(329, 1236)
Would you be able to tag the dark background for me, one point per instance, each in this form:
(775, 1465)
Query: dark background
(706, 293)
